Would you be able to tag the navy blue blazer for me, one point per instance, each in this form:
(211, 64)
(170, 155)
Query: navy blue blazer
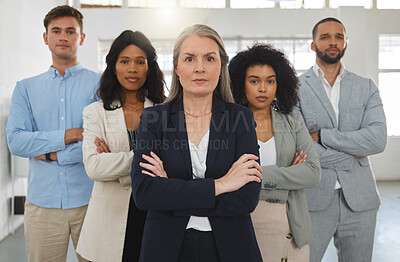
(171, 201)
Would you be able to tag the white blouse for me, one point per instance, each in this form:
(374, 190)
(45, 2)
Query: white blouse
(198, 156)
(267, 152)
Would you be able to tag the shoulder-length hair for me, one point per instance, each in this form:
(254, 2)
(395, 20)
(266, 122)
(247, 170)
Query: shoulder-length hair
(263, 54)
(110, 89)
(223, 87)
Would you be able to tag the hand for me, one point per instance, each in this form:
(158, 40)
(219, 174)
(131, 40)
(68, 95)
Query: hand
(299, 158)
(101, 145)
(155, 166)
(41, 157)
(243, 171)
(315, 136)
(358, 157)
(73, 135)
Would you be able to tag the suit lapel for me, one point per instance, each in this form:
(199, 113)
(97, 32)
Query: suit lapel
(319, 91)
(279, 128)
(179, 124)
(217, 128)
(345, 93)
(116, 130)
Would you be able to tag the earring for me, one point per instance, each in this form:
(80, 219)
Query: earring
(177, 77)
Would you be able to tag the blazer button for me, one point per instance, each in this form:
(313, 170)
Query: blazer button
(284, 259)
(289, 236)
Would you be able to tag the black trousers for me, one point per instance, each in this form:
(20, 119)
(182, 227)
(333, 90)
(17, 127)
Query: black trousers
(198, 246)
(134, 233)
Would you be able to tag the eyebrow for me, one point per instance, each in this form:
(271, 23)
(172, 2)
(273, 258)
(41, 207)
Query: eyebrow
(210, 53)
(59, 28)
(128, 57)
(254, 76)
(326, 34)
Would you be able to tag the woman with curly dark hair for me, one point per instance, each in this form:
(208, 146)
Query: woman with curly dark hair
(264, 81)
(113, 226)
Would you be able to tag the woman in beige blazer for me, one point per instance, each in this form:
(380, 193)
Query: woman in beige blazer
(113, 226)
(263, 79)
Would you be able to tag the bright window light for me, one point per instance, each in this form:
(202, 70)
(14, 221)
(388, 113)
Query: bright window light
(252, 4)
(336, 3)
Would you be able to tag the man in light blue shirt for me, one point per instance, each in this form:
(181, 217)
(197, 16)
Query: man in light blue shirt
(45, 124)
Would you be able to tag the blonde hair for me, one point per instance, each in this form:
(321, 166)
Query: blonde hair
(223, 90)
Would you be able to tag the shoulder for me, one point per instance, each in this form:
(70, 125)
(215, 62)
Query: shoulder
(238, 110)
(33, 80)
(359, 82)
(95, 107)
(309, 73)
(90, 73)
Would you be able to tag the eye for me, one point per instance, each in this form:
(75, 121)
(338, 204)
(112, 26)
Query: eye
(254, 81)
(70, 32)
(210, 59)
(124, 62)
(271, 82)
(55, 31)
(189, 59)
(141, 62)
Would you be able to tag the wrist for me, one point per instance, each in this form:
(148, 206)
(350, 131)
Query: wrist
(48, 157)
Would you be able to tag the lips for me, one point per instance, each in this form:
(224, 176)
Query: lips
(200, 80)
(333, 50)
(262, 98)
(63, 46)
(132, 79)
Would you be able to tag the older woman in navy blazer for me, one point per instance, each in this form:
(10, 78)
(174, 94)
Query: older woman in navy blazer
(194, 215)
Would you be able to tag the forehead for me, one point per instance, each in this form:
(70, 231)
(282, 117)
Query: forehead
(330, 27)
(64, 22)
(199, 45)
(260, 70)
(132, 51)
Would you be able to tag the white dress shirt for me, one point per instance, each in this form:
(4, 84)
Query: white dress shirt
(267, 152)
(333, 93)
(198, 156)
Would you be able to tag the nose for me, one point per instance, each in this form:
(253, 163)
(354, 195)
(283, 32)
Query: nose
(199, 67)
(132, 68)
(64, 36)
(262, 87)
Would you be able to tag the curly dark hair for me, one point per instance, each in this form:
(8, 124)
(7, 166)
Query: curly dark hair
(110, 89)
(264, 54)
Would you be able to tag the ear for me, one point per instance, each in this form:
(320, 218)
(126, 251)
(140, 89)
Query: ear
(313, 46)
(345, 46)
(45, 38)
(82, 39)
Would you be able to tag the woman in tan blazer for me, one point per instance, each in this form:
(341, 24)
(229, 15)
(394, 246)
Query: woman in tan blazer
(113, 226)
(264, 81)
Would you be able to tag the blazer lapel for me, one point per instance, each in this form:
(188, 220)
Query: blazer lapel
(279, 129)
(345, 93)
(217, 128)
(179, 124)
(116, 130)
(313, 81)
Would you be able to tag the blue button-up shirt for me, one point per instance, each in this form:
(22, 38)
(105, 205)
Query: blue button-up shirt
(42, 108)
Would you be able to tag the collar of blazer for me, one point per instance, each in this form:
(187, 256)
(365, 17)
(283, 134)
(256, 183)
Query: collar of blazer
(278, 124)
(217, 128)
(313, 82)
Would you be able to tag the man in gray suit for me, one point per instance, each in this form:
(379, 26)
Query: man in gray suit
(344, 115)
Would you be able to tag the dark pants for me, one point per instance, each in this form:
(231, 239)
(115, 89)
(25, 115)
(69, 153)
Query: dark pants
(134, 233)
(198, 246)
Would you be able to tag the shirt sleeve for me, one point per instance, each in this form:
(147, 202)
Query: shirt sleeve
(22, 139)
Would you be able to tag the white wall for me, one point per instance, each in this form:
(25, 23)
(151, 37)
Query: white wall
(23, 53)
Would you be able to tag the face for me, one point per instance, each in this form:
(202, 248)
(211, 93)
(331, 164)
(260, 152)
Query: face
(329, 43)
(131, 68)
(260, 86)
(63, 37)
(198, 66)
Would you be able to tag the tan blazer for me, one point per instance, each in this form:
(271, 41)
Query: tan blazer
(103, 231)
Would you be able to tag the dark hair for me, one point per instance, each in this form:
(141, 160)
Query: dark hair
(62, 11)
(263, 54)
(328, 19)
(110, 89)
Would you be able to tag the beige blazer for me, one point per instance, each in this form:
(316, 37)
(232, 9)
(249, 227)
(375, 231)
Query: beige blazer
(103, 231)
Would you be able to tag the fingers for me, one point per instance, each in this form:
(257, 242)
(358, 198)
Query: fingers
(101, 145)
(148, 173)
(246, 157)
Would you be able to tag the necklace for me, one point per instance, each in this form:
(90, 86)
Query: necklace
(138, 107)
(197, 116)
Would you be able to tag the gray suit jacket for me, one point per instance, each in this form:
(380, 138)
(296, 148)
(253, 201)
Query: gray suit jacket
(361, 132)
(286, 183)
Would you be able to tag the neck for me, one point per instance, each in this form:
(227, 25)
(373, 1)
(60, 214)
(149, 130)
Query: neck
(261, 115)
(197, 105)
(131, 97)
(331, 71)
(63, 64)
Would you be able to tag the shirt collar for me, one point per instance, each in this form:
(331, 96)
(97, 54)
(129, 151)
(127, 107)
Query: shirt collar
(320, 74)
(69, 72)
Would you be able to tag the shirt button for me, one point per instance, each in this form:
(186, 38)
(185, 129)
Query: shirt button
(58, 148)
(284, 259)
(62, 118)
(65, 162)
(61, 173)
(289, 236)
(62, 99)
(62, 82)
